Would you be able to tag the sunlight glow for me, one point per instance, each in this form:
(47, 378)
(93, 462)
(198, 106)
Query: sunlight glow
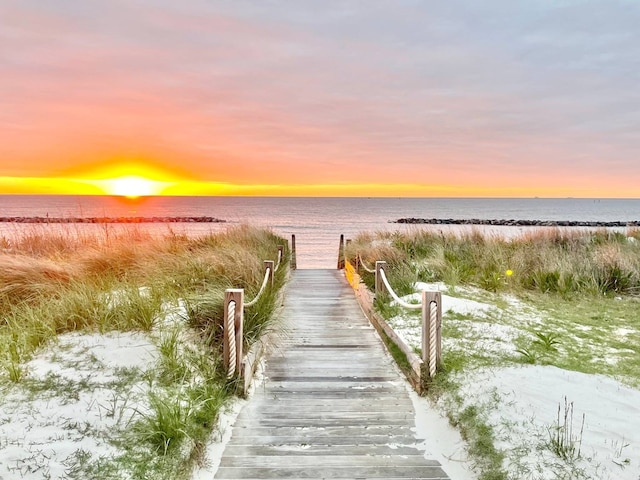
(143, 183)
(132, 186)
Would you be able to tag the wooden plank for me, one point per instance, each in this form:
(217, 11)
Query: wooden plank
(326, 422)
(397, 471)
(327, 461)
(316, 450)
(337, 443)
(306, 407)
(332, 404)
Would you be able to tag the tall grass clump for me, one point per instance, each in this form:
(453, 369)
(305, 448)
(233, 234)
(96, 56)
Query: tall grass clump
(556, 261)
(129, 280)
(121, 280)
(368, 248)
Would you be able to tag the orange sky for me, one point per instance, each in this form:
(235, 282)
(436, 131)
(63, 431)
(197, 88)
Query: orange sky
(403, 99)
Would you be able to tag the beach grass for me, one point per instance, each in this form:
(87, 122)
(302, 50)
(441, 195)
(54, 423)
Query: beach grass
(564, 262)
(169, 288)
(553, 297)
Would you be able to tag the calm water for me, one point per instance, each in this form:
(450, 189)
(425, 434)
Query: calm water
(316, 222)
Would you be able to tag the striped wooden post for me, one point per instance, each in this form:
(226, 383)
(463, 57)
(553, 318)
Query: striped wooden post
(341, 253)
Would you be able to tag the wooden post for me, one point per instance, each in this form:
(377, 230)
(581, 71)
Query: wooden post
(431, 331)
(280, 254)
(341, 253)
(268, 264)
(379, 283)
(235, 335)
(293, 252)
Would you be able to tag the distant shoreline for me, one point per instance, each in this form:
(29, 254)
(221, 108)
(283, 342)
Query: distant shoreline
(517, 223)
(111, 220)
(414, 221)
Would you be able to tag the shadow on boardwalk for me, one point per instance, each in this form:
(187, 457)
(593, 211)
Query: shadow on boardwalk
(332, 404)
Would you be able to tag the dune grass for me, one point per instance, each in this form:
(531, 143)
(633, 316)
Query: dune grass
(557, 261)
(570, 297)
(133, 281)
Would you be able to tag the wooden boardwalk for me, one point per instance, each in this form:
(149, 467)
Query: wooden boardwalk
(332, 404)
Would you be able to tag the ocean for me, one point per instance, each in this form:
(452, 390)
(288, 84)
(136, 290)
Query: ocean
(316, 222)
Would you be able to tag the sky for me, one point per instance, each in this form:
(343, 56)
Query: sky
(307, 97)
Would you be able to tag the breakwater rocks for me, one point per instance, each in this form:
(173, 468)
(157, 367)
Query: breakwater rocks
(515, 223)
(111, 220)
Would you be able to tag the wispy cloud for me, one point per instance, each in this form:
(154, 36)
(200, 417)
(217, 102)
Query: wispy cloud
(502, 93)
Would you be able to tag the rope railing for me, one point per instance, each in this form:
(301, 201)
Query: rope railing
(232, 330)
(234, 306)
(432, 352)
(265, 281)
(431, 307)
(394, 295)
(364, 265)
(230, 327)
(280, 253)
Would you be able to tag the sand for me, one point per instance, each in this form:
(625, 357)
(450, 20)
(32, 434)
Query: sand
(42, 436)
(526, 410)
(44, 433)
(522, 402)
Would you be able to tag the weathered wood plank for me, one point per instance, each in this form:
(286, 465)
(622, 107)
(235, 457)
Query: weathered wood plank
(317, 450)
(332, 404)
(303, 440)
(397, 471)
(310, 409)
(327, 461)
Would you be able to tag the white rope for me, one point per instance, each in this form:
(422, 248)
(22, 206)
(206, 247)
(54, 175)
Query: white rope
(398, 300)
(279, 260)
(366, 269)
(231, 336)
(433, 354)
(264, 285)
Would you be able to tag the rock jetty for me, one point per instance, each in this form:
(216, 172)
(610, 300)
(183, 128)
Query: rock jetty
(111, 220)
(516, 223)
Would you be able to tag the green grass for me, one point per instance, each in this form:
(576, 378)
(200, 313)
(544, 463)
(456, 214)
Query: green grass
(549, 261)
(567, 299)
(129, 281)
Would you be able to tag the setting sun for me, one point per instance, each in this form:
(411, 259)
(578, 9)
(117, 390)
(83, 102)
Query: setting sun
(132, 187)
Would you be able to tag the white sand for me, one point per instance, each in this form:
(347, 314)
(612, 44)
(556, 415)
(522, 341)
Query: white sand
(440, 440)
(522, 402)
(42, 435)
(526, 406)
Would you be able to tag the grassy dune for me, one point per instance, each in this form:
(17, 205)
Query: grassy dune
(553, 298)
(563, 262)
(169, 290)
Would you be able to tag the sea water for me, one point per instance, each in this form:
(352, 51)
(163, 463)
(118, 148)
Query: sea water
(317, 222)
